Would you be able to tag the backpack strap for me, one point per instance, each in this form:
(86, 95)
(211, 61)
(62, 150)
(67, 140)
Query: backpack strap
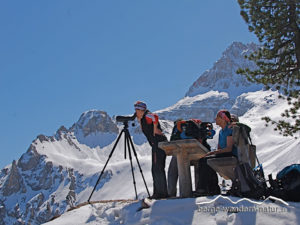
(179, 123)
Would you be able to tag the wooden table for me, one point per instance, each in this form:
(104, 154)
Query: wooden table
(185, 151)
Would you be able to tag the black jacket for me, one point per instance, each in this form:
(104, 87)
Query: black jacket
(148, 127)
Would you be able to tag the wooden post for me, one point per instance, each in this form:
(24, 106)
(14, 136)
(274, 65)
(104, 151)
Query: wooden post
(184, 173)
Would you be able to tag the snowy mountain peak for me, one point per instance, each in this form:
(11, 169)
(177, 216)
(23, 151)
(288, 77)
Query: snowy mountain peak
(222, 76)
(95, 128)
(95, 121)
(30, 159)
(237, 49)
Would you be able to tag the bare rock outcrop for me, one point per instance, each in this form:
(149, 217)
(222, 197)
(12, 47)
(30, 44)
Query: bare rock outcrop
(14, 183)
(30, 159)
(222, 76)
(44, 178)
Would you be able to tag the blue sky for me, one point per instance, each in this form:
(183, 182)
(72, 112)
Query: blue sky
(60, 58)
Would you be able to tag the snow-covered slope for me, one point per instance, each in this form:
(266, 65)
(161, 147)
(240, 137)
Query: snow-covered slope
(204, 106)
(274, 150)
(204, 210)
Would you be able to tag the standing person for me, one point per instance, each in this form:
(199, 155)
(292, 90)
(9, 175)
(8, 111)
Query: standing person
(153, 132)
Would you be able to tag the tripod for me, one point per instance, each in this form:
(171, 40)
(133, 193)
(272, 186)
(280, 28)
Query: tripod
(128, 144)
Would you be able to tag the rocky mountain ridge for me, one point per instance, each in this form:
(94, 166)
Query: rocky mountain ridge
(222, 76)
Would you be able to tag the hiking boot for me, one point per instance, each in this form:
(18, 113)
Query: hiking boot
(199, 193)
(215, 192)
(233, 192)
(158, 196)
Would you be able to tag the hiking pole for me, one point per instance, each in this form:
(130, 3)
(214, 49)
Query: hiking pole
(112, 151)
(125, 146)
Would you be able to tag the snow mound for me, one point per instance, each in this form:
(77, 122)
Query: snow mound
(212, 210)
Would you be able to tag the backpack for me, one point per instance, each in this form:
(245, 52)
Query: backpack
(287, 183)
(192, 129)
(242, 140)
(249, 180)
(248, 183)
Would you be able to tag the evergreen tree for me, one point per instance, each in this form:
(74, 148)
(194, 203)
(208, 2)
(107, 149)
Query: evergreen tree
(276, 23)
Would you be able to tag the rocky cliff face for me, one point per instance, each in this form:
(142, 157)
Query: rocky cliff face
(222, 76)
(94, 121)
(34, 194)
(14, 182)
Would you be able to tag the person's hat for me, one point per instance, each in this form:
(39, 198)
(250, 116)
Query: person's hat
(140, 105)
(234, 118)
(225, 115)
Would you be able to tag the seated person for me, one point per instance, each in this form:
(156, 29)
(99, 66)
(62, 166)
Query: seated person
(208, 179)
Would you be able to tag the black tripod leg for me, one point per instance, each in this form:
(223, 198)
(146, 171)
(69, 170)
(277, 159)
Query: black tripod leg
(125, 146)
(112, 151)
(133, 149)
(130, 158)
